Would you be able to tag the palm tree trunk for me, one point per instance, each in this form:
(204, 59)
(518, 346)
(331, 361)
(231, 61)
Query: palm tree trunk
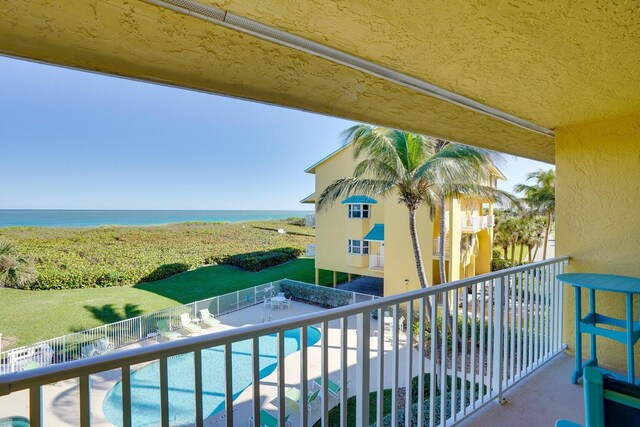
(521, 253)
(535, 252)
(441, 243)
(417, 253)
(531, 253)
(441, 262)
(513, 252)
(546, 236)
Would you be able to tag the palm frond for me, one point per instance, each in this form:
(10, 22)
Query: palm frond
(345, 187)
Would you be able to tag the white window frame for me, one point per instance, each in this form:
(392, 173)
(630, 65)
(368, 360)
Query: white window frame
(358, 247)
(362, 209)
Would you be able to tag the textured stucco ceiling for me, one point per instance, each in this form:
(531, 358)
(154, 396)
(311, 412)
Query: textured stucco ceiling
(555, 63)
(551, 64)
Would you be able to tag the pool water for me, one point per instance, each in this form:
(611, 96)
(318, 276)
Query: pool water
(145, 382)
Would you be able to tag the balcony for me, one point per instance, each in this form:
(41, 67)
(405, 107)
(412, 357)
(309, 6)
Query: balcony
(436, 247)
(310, 220)
(365, 346)
(474, 224)
(376, 262)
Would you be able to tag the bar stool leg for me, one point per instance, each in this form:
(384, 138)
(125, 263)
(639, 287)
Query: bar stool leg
(577, 373)
(630, 362)
(592, 337)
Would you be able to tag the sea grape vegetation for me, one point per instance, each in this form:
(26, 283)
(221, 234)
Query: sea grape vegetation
(68, 258)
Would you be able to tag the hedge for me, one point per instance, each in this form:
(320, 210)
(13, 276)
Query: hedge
(259, 260)
(319, 295)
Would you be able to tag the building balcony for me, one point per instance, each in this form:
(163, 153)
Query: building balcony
(376, 262)
(436, 247)
(474, 224)
(310, 220)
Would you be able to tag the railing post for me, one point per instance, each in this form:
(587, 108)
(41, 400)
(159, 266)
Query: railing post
(35, 406)
(498, 331)
(237, 300)
(362, 378)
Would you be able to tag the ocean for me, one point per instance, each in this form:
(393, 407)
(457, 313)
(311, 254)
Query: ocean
(96, 218)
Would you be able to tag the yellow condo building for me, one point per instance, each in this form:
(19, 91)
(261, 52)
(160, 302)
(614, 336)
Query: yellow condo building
(365, 236)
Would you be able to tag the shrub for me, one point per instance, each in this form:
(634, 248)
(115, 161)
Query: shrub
(66, 258)
(319, 295)
(499, 263)
(16, 270)
(256, 261)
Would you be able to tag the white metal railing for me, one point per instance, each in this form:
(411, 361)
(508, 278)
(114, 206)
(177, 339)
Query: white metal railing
(129, 331)
(473, 224)
(507, 324)
(376, 262)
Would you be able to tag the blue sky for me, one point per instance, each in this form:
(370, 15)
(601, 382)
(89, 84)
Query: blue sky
(75, 140)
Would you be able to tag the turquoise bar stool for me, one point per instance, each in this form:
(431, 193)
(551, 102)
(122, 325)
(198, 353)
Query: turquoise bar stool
(590, 324)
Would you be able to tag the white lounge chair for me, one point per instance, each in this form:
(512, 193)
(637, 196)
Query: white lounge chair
(165, 332)
(188, 323)
(103, 345)
(208, 319)
(88, 351)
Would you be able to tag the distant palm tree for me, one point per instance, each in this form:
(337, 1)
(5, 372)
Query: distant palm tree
(541, 198)
(419, 170)
(16, 271)
(532, 236)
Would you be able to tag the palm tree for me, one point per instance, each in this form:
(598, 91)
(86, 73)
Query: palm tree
(541, 198)
(419, 170)
(15, 270)
(533, 237)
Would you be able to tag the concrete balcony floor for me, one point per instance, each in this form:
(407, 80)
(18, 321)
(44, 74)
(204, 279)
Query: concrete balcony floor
(539, 400)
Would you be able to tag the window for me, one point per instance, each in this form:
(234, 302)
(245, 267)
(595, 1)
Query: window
(358, 247)
(358, 211)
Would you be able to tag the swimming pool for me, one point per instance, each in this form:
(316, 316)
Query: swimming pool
(145, 382)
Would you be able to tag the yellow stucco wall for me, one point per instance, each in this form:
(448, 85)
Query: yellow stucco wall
(334, 227)
(400, 261)
(598, 214)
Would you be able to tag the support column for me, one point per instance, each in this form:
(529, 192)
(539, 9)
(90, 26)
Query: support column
(317, 276)
(335, 279)
(349, 277)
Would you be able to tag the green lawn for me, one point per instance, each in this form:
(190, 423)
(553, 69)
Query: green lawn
(30, 316)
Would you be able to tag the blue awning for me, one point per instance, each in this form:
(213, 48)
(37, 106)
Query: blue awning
(359, 200)
(376, 234)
